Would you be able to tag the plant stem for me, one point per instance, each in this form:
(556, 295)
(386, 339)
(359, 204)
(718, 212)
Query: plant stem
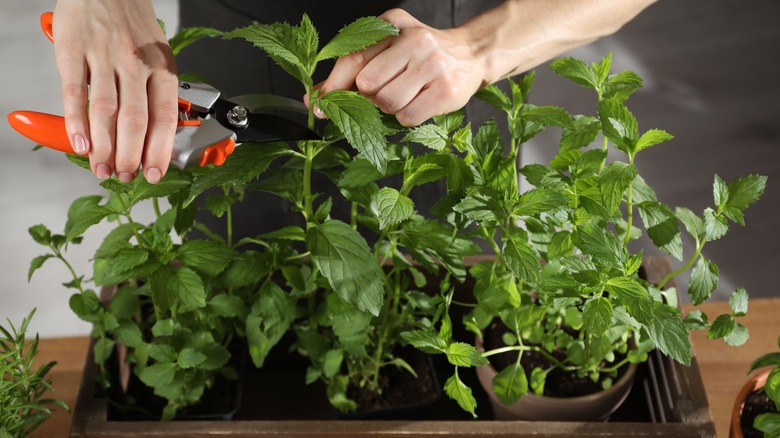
(685, 267)
(308, 210)
(156, 205)
(558, 364)
(630, 210)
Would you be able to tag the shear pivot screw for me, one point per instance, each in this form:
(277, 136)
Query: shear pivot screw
(238, 116)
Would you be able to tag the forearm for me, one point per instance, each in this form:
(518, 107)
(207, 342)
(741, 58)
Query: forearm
(522, 34)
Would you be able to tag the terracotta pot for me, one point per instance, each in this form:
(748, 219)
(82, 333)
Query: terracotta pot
(756, 382)
(593, 407)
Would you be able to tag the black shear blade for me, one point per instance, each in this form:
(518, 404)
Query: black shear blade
(262, 128)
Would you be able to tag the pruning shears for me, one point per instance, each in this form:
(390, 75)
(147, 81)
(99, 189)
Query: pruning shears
(209, 127)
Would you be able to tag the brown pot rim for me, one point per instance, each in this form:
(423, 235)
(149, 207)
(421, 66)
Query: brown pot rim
(754, 383)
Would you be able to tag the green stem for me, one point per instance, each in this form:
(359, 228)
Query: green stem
(558, 364)
(229, 220)
(492, 242)
(699, 247)
(308, 209)
(630, 210)
(616, 366)
(156, 205)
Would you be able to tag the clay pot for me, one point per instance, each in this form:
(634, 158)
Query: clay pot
(756, 382)
(594, 407)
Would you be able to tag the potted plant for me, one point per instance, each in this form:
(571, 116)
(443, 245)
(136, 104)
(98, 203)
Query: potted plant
(755, 412)
(22, 386)
(562, 310)
(354, 299)
(185, 295)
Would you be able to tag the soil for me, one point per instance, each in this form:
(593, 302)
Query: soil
(756, 404)
(399, 387)
(558, 384)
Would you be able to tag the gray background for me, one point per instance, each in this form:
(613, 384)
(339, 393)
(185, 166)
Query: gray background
(710, 66)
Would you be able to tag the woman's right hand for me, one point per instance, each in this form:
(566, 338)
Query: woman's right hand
(120, 51)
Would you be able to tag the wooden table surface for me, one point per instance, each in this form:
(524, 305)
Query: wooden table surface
(723, 368)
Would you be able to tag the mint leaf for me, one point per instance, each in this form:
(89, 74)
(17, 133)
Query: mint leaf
(187, 286)
(486, 142)
(358, 173)
(464, 355)
(36, 264)
(738, 301)
(669, 333)
(720, 192)
(345, 260)
(540, 200)
(429, 135)
(480, 206)
(703, 281)
(738, 336)
(583, 133)
(83, 213)
(495, 97)
(601, 244)
(189, 35)
(575, 70)
(661, 224)
(549, 116)
(693, 224)
(510, 384)
(391, 207)
(620, 86)
(602, 68)
(597, 315)
(356, 36)
(614, 180)
(450, 121)
(651, 138)
(158, 375)
(522, 260)
(461, 393)
(743, 192)
(715, 225)
(425, 341)
(278, 40)
(642, 192)
(619, 125)
(189, 358)
(246, 163)
(306, 43)
(206, 256)
(119, 267)
(722, 327)
(358, 119)
(228, 306)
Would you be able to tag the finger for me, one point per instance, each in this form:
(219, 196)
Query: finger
(74, 103)
(132, 120)
(163, 118)
(103, 107)
(431, 101)
(382, 69)
(343, 75)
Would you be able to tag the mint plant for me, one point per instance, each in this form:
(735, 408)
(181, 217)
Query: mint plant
(352, 300)
(565, 281)
(769, 423)
(22, 386)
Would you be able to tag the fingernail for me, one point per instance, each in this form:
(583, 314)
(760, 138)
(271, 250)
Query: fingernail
(103, 171)
(79, 144)
(126, 177)
(318, 112)
(153, 175)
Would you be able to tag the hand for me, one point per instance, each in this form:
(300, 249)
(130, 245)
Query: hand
(118, 48)
(421, 73)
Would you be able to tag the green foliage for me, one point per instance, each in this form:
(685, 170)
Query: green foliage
(22, 386)
(350, 288)
(769, 423)
(565, 278)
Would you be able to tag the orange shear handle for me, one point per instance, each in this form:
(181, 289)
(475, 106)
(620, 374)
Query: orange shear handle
(45, 129)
